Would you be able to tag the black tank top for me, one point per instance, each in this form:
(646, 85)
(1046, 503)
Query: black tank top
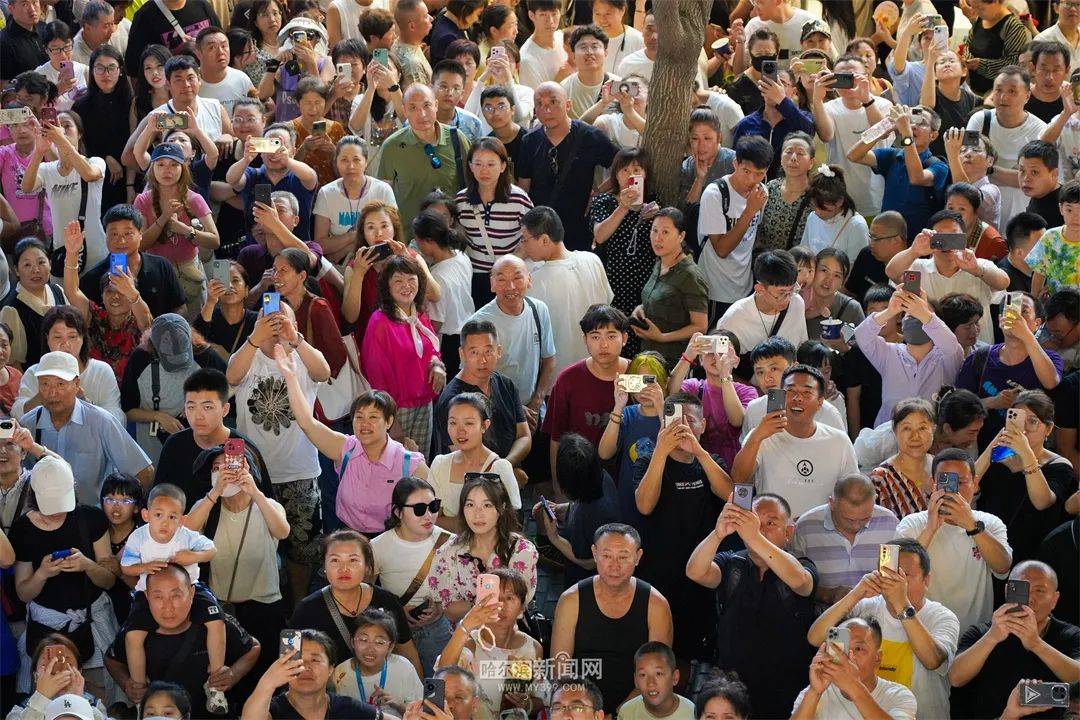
(612, 641)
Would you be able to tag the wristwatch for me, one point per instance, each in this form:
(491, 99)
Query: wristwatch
(979, 527)
(905, 141)
(906, 614)
(393, 88)
(191, 235)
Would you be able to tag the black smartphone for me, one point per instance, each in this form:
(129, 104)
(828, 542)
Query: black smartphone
(272, 65)
(419, 609)
(768, 69)
(639, 323)
(435, 691)
(777, 400)
(261, 193)
(844, 81)
(289, 643)
(913, 281)
(972, 138)
(378, 252)
(1017, 592)
(948, 241)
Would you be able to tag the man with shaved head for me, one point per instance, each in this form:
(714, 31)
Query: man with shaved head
(888, 236)
(559, 161)
(422, 156)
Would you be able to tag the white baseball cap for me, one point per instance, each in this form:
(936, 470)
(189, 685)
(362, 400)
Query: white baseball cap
(53, 484)
(69, 706)
(58, 364)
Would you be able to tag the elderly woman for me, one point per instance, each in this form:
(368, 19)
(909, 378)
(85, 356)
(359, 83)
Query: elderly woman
(904, 481)
(27, 301)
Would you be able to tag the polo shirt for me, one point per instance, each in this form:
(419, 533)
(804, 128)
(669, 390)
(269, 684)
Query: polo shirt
(93, 442)
(506, 413)
(157, 282)
(403, 162)
(586, 148)
(21, 49)
(839, 562)
(915, 202)
(289, 183)
(668, 300)
(363, 498)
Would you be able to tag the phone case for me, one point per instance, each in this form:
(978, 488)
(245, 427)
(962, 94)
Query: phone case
(743, 496)
(289, 643)
(487, 585)
(777, 400)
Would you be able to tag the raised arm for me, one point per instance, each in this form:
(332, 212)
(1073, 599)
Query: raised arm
(329, 442)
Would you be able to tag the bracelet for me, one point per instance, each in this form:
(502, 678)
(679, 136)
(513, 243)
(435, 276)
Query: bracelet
(726, 379)
(617, 419)
(868, 103)
(686, 360)
(72, 267)
(1033, 469)
(248, 341)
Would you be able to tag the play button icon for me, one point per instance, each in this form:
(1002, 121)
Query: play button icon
(1031, 695)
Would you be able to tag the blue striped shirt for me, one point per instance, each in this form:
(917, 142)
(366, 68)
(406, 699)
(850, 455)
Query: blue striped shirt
(839, 563)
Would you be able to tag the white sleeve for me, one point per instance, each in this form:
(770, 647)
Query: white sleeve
(997, 530)
(321, 203)
(711, 214)
(506, 473)
(944, 628)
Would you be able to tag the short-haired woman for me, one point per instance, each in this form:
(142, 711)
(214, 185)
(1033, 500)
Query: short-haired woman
(904, 482)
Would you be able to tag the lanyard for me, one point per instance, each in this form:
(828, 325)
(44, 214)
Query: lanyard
(360, 679)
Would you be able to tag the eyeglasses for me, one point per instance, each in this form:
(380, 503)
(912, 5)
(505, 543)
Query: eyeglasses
(436, 161)
(422, 509)
(106, 69)
(377, 642)
(576, 708)
(879, 238)
(449, 89)
(497, 107)
(60, 50)
(118, 501)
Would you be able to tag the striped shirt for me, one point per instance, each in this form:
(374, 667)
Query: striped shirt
(500, 220)
(840, 563)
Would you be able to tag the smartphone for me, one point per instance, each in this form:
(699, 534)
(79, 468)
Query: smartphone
(56, 652)
(15, 116)
(61, 554)
(673, 413)
(947, 481)
(172, 121)
(417, 611)
(912, 280)
(118, 263)
(298, 36)
(743, 496)
(7, 429)
(378, 252)
(318, 127)
(713, 344)
(1016, 417)
(234, 453)
(498, 52)
(261, 193)
(889, 557)
(941, 38)
(1017, 592)
(548, 509)
(972, 138)
(221, 271)
(639, 323)
(1042, 694)
(66, 71)
(381, 56)
(637, 184)
(843, 81)
(948, 241)
(435, 692)
(289, 643)
(265, 144)
(631, 383)
(777, 400)
(847, 332)
(837, 643)
(344, 69)
(812, 66)
(271, 302)
(487, 586)
(48, 116)
(768, 69)
(931, 20)
(272, 65)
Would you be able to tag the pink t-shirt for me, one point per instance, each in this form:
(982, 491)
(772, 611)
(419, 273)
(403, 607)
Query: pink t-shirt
(12, 168)
(176, 249)
(720, 436)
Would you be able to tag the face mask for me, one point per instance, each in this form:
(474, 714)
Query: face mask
(229, 490)
(756, 61)
(912, 329)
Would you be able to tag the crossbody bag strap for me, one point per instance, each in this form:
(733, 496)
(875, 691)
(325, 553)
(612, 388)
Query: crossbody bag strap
(490, 462)
(778, 322)
(335, 615)
(725, 202)
(171, 19)
(459, 171)
(239, 549)
(539, 334)
(479, 211)
(155, 384)
(795, 225)
(414, 586)
(37, 425)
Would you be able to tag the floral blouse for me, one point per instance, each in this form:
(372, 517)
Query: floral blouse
(113, 346)
(453, 576)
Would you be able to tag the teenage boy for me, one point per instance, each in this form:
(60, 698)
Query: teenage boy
(1040, 181)
(971, 164)
(1064, 131)
(1021, 234)
(727, 224)
(589, 45)
(498, 104)
(888, 236)
(1051, 63)
(914, 179)
(1055, 259)
(543, 58)
(655, 677)
(1061, 331)
(774, 310)
(448, 80)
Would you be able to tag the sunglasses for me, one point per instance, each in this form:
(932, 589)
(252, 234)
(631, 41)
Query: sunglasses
(422, 509)
(436, 161)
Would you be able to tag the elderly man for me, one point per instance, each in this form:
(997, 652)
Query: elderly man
(91, 439)
(842, 536)
(422, 156)
(22, 43)
(525, 334)
(920, 634)
(176, 651)
(1019, 641)
(764, 600)
(607, 617)
(99, 27)
(559, 161)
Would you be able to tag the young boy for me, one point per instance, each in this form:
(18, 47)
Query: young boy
(970, 164)
(804, 260)
(1055, 259)
(149, 548)
(1021, 234)
(655, 677)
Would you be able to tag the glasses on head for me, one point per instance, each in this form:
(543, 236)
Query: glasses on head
(377, 642)
(106, 69)
(436, 161)
(123, 502)
(60, 50)
(574, 708)
(422, 509)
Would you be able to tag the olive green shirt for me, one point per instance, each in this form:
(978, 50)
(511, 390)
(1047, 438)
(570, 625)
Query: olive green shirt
(669, 299)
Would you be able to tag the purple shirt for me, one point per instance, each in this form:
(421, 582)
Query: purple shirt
(720, 436)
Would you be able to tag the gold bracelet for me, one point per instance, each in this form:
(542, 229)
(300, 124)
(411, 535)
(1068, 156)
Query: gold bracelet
(1033, 469)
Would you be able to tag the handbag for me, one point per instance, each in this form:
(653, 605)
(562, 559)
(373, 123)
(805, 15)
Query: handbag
(336, 395)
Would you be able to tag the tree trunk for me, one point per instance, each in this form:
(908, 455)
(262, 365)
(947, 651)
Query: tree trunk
(680, 25)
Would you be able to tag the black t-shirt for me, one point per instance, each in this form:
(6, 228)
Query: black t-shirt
(1008, 663)
(1059, 550)
(1045, 111)
(67, 590)
(21, 49)
(745, 92)
(312, 614)
(1003, 493)
(506, 413)
(150, 26)
(177, 459)
(1067, 410)
(1047, 207)
(191, 667)
(762, 632)
(1018, 279)
(582, 520)
(866, 270)
(341, 707)
(858, 372)
(219, 332)
(157, 281)
(954, 114)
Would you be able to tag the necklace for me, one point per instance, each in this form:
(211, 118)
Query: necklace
(345, 607)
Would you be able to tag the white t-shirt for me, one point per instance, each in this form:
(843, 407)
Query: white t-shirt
(803, 471)
(620, 46)
(864, 186)
(141, 548)
(751, 326)
(790, 32)
(634, 709)
(729, 279)
(402, 682)
(636, 63)
(1007, 143)
(965, 586)
(207, 116)
(729, 112)
(65, 194)
(450, 492)
(263, 416)
(569, 287)
(582, 96)
(65, 101)
(895, 699)
(844, 232)
(938, 286)
(455, 304)
(233, 86)
(755, 412)
(397, 561)
(613, 125)
(540, 64)
(898, 661)
(332, 203)
(1068, 145)
(519, 339)
(524, 102)
(1054, 33)
(257, 570)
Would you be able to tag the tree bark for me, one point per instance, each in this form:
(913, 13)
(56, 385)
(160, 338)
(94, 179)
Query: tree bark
(680, 25)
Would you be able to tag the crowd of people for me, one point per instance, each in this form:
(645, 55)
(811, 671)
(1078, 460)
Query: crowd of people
(337, 338)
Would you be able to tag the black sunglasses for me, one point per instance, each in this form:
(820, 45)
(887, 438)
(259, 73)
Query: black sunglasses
(436, 161)
(422, 509)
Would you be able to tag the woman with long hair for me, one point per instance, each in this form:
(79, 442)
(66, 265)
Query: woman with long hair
(490, 208)
(831, 269)
(377, 111)
(783, 219)
(489, 538)
(996, 39)
(404, 556)
(108, 95)
(151, 88)
(265, 18)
